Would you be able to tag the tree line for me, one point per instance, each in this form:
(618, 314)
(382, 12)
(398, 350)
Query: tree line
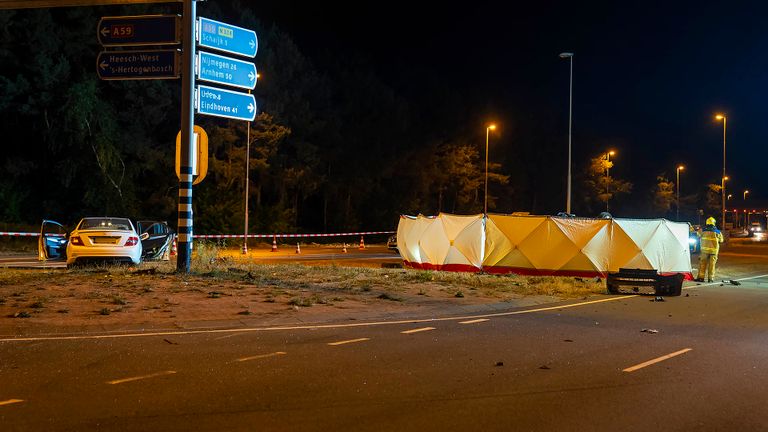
(334, 146)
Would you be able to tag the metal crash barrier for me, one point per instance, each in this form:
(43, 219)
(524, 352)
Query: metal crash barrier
(648, 282)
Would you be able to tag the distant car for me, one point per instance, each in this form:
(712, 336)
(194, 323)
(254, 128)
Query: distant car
(104, 239)
(755, 228)
(392, 243)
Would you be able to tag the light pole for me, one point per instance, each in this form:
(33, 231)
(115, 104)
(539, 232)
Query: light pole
(679, 168)
(608, 177)
(568, 55)
(746, 212)
(487, 134)
(722, 186)
(725, 124)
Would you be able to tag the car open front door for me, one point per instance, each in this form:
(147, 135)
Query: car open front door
(52, 243)
(156, 239)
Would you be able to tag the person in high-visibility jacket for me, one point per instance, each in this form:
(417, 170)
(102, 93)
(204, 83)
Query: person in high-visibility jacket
(711, 237)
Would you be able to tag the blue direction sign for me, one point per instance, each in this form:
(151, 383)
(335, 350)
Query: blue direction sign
(228, 38)
(138, 65)
(225, 103)
(139, 30)
(225, 70)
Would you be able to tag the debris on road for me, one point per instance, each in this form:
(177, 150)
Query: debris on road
(658, 299)
(501, 363)
(170, 342)
(648, 330)
(545, 367)
(567, 340)
(734, 282)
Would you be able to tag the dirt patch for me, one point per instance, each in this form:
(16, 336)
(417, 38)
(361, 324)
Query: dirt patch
(153, 295)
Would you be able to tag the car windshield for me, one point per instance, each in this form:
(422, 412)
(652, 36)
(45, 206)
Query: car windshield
(118, 224)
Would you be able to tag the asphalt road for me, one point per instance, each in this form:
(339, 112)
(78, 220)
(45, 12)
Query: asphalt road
(583, 367)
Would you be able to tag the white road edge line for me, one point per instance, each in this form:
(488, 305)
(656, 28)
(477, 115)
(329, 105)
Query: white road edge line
(475, 321)
(11, 401)
(137, 378)
(337, 326)
(261, 356)
(348, 341)
(418, 330)
(656, 360)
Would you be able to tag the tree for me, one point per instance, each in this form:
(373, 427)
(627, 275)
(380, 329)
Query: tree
(601, 186)
(664, 195)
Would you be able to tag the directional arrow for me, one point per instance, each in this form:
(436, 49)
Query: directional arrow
(103, 65)
(225, 103)
(251, 76)
(226, 70)
(105, 31)
(250, 108)
(252, 44)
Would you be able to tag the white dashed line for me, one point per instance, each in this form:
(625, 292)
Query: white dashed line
(475, 321)
(125, 380)
(656, 360)
(262, 356)
(423, 329)
(348, 341)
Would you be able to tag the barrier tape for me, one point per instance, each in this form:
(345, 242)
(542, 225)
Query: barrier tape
(222, 236)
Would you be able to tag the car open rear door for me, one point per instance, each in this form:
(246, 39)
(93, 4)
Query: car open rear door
(156, 239)
(52, 243)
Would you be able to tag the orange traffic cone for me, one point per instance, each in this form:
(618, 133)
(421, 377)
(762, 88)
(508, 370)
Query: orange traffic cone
(274, 243)
(362, 243)
(298, 248)
(174, 251)
(345, 248)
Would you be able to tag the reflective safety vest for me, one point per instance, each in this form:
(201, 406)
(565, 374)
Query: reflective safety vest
(710, 240)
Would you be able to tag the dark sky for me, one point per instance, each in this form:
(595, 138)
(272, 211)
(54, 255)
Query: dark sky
(648, 76)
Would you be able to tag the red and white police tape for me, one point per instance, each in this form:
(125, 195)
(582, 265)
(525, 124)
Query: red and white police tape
(223, 236)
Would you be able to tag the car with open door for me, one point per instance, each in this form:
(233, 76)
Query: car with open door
(156, 239)
(110, 239)
(52, 243)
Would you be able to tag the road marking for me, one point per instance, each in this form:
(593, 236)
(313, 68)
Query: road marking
(423, 329)
(262, 356)
(10, 401)
(348, 341)
(338, 326)
(475, 321)
(137, 378)
(656, 360)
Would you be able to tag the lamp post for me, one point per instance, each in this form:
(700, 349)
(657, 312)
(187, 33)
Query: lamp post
(725, 124)
(679, 168)
(746, 212)
(608, 177)
(568, 55)
(722, 186)
(487, 134)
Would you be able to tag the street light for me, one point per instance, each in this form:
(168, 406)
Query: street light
(746, 212)
(487, 133)
(725, 124)
(722, 187)
(608, 177)
(568, 55)
(679, 168)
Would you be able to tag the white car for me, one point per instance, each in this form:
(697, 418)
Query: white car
(104, 239)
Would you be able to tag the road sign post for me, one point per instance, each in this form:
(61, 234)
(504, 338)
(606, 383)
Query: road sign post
(138, 65)
(139, 30)
(185, 226)
(227, 38)
(225, 103)
(224, 70)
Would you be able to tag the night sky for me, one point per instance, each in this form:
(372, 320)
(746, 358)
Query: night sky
(648, 76)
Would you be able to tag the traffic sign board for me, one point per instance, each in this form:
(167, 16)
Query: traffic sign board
(139, 30)
(225, 103)
(138, 65)
(225, 70)
(228, 38)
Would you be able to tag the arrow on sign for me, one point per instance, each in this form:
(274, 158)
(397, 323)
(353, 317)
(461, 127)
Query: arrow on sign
(251, 76)
(105, 31)
(252, 44)
(250, 108)
(103, 65)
